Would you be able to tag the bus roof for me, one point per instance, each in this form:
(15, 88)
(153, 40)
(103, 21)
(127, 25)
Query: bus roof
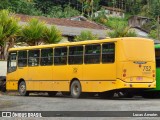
(78, 43)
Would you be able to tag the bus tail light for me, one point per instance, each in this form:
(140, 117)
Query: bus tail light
(153, 71)
(124, 75)
(153, 75)
(124, 72)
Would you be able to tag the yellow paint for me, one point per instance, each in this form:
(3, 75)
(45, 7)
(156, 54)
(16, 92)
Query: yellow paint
(93, 77)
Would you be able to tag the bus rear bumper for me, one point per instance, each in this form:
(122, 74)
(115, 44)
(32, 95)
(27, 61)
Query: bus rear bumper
(148, 85)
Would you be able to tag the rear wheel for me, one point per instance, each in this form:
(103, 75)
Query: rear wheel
(22, 89)
(76, 89)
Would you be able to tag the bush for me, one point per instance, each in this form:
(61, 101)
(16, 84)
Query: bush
(86, 35)
(112, 22)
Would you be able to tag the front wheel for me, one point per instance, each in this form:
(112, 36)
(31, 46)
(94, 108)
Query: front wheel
(76, 89)
(22, 89)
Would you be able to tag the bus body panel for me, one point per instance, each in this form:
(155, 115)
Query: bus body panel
(144, 72)
(98, 77)
(133, 64)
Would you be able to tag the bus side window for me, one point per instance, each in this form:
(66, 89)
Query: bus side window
(92, 54)
(22, 58)
(75, 55)
(33, 57)
(46, 57)
(60, 56)
(108, 53)
(12, 62)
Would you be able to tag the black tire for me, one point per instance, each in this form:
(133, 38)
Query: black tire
(52, 93)
(76, 89)
(22, 89)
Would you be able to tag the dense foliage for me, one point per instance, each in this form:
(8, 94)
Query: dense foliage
(34, 32)
(69, 8)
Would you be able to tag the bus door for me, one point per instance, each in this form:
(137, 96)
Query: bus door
(11, 71)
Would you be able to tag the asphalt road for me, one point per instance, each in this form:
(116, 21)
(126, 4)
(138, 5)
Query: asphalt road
(63, 103)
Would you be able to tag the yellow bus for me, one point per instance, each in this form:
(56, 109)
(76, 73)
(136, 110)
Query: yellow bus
(94, 66)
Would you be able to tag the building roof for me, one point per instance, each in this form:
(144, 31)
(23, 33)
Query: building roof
(69, 27)
(63, 22)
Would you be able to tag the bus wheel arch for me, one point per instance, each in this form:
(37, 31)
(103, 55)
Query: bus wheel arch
(22, 88)
(75, 88)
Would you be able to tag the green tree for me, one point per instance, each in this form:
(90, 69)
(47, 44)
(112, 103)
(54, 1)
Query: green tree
(121, 31)
(20, 6)
(86, 35)
(33, 32)
(82, 2)
(153, 34)
(101, 18)
(52, 35)
(9, 29)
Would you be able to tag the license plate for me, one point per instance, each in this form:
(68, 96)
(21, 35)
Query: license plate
(139, 78)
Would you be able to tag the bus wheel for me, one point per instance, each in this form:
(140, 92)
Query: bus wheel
(22, 89)
(76, 89)
(52, 93)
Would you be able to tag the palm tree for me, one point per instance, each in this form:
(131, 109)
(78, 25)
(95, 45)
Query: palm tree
(9, 30)
(36, 33)
(33, 32)
(121, 31)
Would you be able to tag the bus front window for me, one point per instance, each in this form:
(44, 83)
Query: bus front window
(12, 62)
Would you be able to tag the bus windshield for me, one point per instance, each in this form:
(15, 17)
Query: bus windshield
(139, 51)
